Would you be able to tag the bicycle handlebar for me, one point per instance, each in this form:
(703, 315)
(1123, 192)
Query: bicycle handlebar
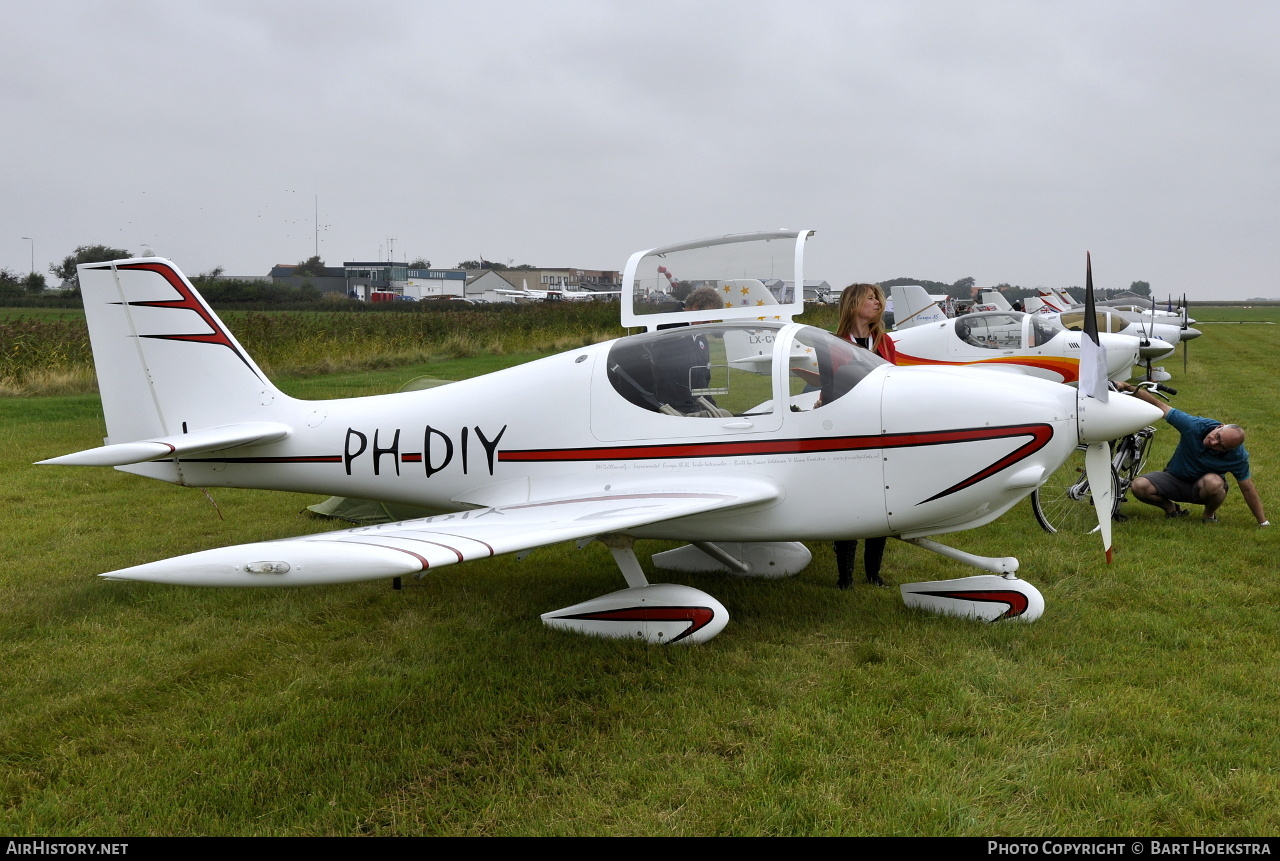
(1158, 388)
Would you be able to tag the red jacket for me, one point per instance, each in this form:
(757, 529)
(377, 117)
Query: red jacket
(886, 349)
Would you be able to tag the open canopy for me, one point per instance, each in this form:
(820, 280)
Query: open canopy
(754, 276)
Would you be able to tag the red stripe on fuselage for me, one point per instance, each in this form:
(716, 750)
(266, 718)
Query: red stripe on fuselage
(1039, 434)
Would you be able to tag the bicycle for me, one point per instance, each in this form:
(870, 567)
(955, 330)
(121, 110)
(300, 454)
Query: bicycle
(1064, 503)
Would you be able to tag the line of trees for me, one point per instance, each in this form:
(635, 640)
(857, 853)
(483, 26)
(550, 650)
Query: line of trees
(33, 289)
(246, 291)
(13, 285)
(212, 285)
(65, 271)
(496, 267)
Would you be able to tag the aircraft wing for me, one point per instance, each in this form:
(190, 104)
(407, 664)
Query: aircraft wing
(414, 546)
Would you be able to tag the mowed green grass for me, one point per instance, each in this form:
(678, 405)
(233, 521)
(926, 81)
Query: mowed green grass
(1142, 703)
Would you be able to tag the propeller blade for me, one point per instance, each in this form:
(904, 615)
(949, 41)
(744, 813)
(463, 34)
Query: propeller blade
(1185, 344)
(1097, 466)
(1093, 388)
(1093, 358)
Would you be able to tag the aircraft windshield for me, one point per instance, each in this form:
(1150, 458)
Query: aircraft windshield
(724, 371)
(826, 364)
(1074, 320)
(992, 330)
(1041, 330)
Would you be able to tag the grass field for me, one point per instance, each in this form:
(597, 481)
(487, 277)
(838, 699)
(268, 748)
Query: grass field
(1142, 703)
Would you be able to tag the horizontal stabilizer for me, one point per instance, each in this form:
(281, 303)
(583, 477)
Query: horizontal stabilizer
(177, 445)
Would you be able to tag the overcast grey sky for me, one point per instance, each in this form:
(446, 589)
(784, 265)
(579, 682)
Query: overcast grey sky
(999, 140)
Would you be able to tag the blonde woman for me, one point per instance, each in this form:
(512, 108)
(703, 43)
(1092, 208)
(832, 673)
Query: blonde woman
(862, 323)
(862, 320)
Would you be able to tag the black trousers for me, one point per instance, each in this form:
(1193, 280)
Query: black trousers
(871, 559)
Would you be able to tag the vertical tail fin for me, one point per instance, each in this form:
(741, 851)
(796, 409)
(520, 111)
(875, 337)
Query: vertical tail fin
(1052, 300)
(995, 300)
(166, 364)
(912, 306)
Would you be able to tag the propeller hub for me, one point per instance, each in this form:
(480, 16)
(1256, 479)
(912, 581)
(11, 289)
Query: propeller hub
(1154, 348)
(1120, 415)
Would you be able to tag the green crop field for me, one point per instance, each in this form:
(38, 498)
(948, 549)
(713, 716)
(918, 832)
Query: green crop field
(1142, 703)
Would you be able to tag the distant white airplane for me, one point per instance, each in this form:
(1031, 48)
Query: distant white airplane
(1011, 341)
(554, 295)
(1159, 339)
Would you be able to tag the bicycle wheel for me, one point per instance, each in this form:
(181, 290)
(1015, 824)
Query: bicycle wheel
(1064, 503)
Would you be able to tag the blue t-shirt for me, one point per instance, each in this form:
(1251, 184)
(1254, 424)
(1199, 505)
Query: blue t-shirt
(1191, 459)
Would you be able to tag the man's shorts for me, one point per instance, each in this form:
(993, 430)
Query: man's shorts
(1175, 489)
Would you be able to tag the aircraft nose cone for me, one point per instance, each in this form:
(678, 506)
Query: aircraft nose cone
(1155, 349)
(1190, 334)
(1120, 415)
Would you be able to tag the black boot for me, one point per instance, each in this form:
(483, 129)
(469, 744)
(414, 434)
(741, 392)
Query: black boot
(871, 559)
(845, 551)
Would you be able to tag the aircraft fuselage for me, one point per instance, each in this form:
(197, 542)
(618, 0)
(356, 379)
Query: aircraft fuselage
(908, 451)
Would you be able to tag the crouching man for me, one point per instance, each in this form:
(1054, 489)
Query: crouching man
(1197, 473)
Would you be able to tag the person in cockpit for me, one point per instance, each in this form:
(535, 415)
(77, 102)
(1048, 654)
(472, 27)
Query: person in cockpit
(684, 364)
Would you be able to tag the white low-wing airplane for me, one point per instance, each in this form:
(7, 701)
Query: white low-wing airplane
(1158, 339)
(649, 436)
(1125, 317)
(1010, 341)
